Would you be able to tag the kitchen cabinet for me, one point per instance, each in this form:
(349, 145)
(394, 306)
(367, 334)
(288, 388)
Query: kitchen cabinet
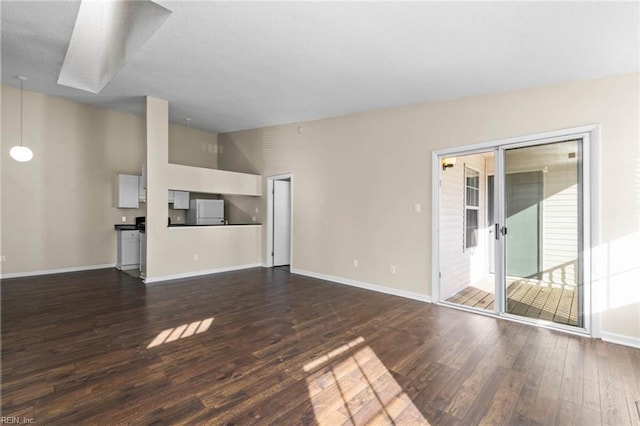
(171, 196)
(181, 200)
(128, 250)
(128, 192)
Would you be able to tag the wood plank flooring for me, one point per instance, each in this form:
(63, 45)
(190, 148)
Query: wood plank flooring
(530, 298)
(263, 346)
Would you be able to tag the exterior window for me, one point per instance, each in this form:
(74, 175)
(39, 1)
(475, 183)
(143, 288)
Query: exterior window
(471, 207)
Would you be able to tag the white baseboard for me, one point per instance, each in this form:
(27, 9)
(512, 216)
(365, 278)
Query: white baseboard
(620, 339)
(56, 271)
(366, 286)
(152, 280)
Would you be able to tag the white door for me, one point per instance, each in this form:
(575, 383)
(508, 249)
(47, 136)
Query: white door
(281, 222)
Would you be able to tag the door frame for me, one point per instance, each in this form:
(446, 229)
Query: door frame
(591, 261)
(269, 237)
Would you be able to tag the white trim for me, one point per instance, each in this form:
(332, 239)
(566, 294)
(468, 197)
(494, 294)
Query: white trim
(539, 137)
(152, 280)
(363, 285)
(56, 271)
(269, 236)
(593, 257)
(619, 339)
(435, 226)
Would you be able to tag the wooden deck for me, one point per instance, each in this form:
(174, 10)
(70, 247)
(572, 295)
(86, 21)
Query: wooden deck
(526, 297)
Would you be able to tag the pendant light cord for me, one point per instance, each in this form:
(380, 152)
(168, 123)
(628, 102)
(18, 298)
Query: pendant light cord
(21, 111)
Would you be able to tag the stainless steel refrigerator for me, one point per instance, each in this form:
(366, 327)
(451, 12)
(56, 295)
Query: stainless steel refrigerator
(205, 212)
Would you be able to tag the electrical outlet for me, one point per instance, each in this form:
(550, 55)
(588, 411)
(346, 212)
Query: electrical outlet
(124, 218)
(257, 210)
(195, 257)
(417, 207)
(3, 258)
(253, 218)
(355, 263)
(179, 219)
(392, 269)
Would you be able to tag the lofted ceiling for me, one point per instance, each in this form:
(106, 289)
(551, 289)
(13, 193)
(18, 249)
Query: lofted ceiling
(239, 65)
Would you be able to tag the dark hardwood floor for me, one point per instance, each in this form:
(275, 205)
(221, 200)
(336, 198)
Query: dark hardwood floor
(263, 346)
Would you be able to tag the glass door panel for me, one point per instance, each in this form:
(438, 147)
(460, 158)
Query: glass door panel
(466, 237)
(543, 219)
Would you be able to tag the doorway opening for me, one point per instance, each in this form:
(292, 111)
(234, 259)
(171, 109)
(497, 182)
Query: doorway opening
(279, 220)
(512, 225)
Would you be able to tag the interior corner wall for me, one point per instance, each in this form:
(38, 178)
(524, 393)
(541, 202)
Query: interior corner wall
(58, 210)
(188, 250)
(357, 178)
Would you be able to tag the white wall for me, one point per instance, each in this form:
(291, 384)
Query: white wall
(357, 178)
(460, 267)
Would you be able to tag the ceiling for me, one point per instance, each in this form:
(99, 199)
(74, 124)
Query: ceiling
(237, 65)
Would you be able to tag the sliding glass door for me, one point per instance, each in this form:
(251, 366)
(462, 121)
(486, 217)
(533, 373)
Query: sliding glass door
(512, 230)
(543, 227)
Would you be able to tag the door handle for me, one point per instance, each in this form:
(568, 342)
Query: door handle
(497, 231)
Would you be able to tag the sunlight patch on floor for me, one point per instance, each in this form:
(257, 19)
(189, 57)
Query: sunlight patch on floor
(180, 332)
(351, 385)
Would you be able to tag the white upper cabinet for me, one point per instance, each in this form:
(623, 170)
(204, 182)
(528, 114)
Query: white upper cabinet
(128, 191)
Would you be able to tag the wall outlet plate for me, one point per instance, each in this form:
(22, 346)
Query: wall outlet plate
(355, 263)
(392, 269)
(124, 218)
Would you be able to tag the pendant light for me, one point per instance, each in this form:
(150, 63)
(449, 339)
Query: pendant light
(20, 152)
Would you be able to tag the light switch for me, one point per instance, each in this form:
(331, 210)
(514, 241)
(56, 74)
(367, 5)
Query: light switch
(124, 218)
(417, 207)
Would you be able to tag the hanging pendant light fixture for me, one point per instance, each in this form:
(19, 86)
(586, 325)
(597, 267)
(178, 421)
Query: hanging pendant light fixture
(20, 152)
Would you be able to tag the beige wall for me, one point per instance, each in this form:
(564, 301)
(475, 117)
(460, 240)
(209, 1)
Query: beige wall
(356, 179)
(58, 209)
(191, 147)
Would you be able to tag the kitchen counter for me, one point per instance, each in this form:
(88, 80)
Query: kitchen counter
(125, 227)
